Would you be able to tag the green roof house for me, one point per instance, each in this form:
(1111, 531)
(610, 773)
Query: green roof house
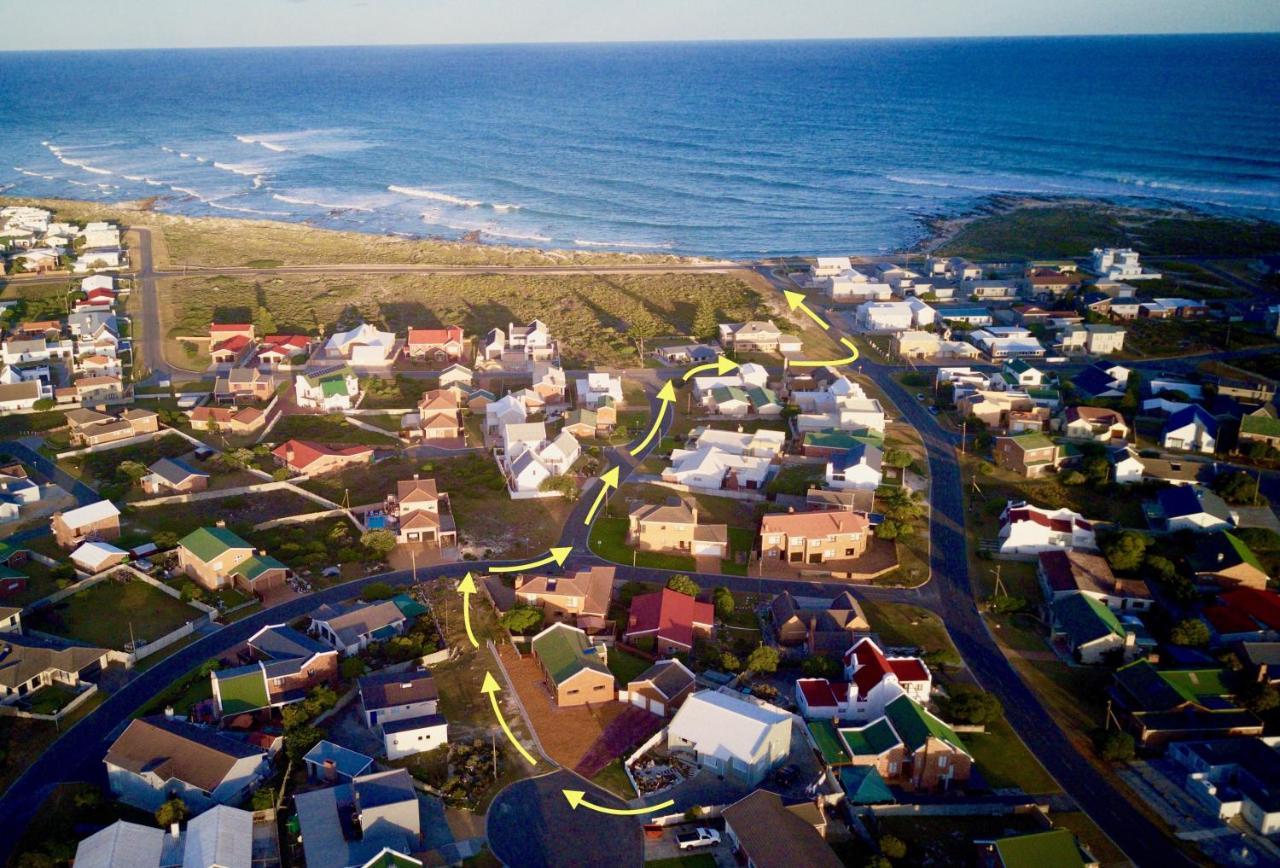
(1260, 427)
(574, 669)
(909, 746)
(214, 557)
(333, 389)
(1159, 705)
(1091, 630)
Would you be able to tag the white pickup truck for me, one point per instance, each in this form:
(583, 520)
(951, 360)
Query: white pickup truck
(698, 838)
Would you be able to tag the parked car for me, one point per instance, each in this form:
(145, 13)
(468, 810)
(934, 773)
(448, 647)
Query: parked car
(700, 837)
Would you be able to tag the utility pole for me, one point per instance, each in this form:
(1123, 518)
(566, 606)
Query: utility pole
(999, 588)
(964, 433)
(493, 743)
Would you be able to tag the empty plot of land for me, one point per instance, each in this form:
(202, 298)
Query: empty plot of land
(568, 735)
(111, 614)
(594, 317)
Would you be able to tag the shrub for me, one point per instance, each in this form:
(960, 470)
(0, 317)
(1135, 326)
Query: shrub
(682, 584)
(172, 811)
(893, 847)
(522, 619)
(377, 591)
(969, 704)
(1190, 633)
(1115, 745)
(764, 659)
(380, 543)
(723, 599)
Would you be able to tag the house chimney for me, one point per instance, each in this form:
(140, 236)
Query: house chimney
(262, 553)
(288, 452)
(168, 711)
(330, 771)
(1222, 556)
(175, 830)
(220, 523)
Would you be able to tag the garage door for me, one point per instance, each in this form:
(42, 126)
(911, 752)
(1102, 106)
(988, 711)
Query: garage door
(657, 707)
(706, 548)
(637, 699)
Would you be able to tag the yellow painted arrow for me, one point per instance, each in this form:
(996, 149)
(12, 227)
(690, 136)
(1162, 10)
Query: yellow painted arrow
(490, 687)
(795, 301)
(722, 365)
(847, 360)
(578, 797)
(608, 479)
(557, 554)
(466, 588)
(666, 396)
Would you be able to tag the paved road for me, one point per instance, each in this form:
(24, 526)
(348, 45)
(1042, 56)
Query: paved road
(24, 450)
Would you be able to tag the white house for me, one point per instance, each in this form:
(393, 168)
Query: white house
(1191, 429)
(894, 316)
(1003, 342)
(597, 388)
(97, 259)
(737, 738)
(1119, 263)
(363, 345)
(842, 405)
(331, 390)
(158, 758)
(762, 443)
(21, 395)
(507, 410)
(531, 342)
(414, 735)
(1126, 467)
(529, 458)
(711, 469)
(1029, 530)
(830, 266)
(744, 377)
(853, 285)
(858, 467)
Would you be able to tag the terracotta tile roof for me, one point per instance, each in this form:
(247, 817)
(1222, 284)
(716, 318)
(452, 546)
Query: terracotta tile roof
(817, 692)
(306, 453)
(435, 336)
(815, 524)
(670, 615)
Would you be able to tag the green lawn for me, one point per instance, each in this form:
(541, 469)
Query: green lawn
(50, 699)
(183, 694)
(103, 615)
(1005, 761)
(625, 666)
(609, 540)
(330, 430)
(614, 779)
(901, 624)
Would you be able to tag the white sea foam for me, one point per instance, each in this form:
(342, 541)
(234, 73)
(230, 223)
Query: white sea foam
(195, 194)
(419, 193)
(504, 206)
(298, 200)
(183, 154)
(31, 174)
(214, 203)
(269, 145)
(638, 245)
(244, 169)
(153, 182)
(132, 177)
(518, 236)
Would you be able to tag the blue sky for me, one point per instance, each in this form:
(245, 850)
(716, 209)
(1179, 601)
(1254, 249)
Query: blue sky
(200, 23)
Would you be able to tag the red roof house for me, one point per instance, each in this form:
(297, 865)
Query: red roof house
(672, 618)
(302, 456)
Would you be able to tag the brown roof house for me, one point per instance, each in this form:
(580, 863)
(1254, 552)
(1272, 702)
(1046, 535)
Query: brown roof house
(244, 384)
(583, 597)
(439, 416)
(1223, 558)
(575, 670)
(1063, 573)
(1031, 455)
(1096, 423)
(173, 476)
(25, 668)
(97, 521)
(765, 834)
(832, 629)
(351, 627)
(662, 687)
(390, 696)
(160, 758)
(814, 537)
(216, 558)
(90, 427)
(313, 459)
(675, 528)
(422, 513)
(244, 420)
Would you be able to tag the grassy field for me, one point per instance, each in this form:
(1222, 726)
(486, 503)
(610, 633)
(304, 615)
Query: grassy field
(900, 624)
(330, 430)
(240, 512)
(105, 614)
(625, 666)
(1005, 762)
(1050, 230)
(590, 315)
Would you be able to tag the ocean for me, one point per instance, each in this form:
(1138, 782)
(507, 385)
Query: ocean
(724, 149)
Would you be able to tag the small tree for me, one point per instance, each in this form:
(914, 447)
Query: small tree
(1190, 633)
(897, 457)
(1259, 697)
(969, 704)
(723, 599)
(44, 405)
(352, 668)
(893, 847)
(264, 799)
(764, 659)
(299, 740)
(729, 662)
(705, 323)
(1115, 745)
(377, 591)
(522, 619)
(1126, 550)
(380, 543)
(682, 584)
(132, 469)
(172, 811)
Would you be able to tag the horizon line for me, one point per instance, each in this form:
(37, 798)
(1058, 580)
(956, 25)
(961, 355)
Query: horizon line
(702, 41)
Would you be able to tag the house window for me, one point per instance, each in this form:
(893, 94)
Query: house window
(942, 762)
